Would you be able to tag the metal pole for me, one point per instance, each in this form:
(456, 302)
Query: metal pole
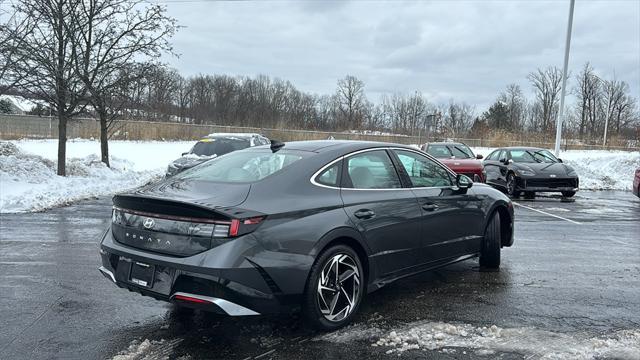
(606, 126)
(564, 79)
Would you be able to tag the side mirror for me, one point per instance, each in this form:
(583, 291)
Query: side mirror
(185, 153)
(463, 181)
(506, 162)
(479, 157)
(559, 160)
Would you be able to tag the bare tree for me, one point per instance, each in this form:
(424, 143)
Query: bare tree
(352, 100)
(458, 118)
(109, 35)
(13, 31)
(514, 101)
(45, 59)
(546, 84)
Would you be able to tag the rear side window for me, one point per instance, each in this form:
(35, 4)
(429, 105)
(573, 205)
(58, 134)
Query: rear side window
(371, 170)
(329, 176)
(241, 167)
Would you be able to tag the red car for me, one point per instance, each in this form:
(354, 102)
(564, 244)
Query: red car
(636, 183)
(459, 158)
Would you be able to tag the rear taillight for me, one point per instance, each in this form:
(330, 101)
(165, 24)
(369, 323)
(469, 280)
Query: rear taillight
(235, 226)
(244, 226)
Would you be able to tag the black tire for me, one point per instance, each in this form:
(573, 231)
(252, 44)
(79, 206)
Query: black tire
(311, 307)
(490, 251)
(568, 194)
(529, 195)
(511, 185)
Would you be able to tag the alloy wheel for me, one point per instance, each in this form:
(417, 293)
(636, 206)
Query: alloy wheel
(338, 289)
(511, 185)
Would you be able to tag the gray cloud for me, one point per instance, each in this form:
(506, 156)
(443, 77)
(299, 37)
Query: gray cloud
(466, 50)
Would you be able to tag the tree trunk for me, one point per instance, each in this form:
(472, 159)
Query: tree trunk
(104, 139)
(62, 143)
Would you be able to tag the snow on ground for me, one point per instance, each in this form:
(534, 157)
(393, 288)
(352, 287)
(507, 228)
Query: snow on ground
(486, 340)
(149, 350)
(598, 169)
(28, 180)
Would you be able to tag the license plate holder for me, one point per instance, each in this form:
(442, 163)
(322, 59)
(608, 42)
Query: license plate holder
(142, 274)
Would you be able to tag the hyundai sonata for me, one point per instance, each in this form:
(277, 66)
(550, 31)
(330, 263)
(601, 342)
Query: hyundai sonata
(311, 226)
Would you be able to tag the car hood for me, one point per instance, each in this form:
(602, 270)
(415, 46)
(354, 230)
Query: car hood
(462, 163)
(558, 169)
(201, 193)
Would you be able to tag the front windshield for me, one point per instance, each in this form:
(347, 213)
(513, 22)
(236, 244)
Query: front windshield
(545, 156)
(461, 151)
(221, 146)
(532, 156)
(240, 167)
(439, 151)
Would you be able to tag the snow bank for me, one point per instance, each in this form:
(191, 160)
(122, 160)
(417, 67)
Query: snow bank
(28, 180)
(598, 169)
(487, 340)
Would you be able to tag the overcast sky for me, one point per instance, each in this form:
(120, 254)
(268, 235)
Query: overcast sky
(465, 50)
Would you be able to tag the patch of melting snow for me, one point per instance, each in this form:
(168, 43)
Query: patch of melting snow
(557, 209)
(149, 350)
(598, 211)
(539, 344)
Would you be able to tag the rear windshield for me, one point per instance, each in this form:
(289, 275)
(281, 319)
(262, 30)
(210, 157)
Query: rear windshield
(220, 146)
(241, 167)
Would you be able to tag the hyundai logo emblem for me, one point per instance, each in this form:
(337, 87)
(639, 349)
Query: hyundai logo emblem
(148, 223)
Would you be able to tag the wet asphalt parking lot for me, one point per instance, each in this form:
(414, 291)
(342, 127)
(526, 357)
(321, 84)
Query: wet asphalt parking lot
(573, 273)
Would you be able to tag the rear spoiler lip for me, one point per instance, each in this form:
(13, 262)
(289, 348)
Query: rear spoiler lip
(229, 212)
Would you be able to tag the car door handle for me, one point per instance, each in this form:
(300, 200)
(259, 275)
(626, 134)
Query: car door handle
(430, 207)
(364, 214)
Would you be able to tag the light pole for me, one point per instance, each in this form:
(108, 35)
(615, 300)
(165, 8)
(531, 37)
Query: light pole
(564, 79)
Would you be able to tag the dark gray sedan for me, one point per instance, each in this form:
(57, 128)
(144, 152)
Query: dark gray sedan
(310, 225)
(526, 169)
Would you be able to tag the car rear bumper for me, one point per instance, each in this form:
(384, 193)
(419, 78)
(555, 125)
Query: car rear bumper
(238, 278)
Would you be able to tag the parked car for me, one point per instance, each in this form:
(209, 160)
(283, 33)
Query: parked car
(636, 183)
(309, 225)
(529, 170)
(458, 157)
(214, 145)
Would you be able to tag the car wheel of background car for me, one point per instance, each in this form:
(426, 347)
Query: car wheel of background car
(511, 185)
(568, 193)
(335, 288)
(490, 251)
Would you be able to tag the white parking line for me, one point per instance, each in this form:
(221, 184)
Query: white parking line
(546, 213)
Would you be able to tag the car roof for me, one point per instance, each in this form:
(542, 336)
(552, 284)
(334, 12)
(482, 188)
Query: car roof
(231, 135)
(520, 148)
(336, 145)
(446, 143)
